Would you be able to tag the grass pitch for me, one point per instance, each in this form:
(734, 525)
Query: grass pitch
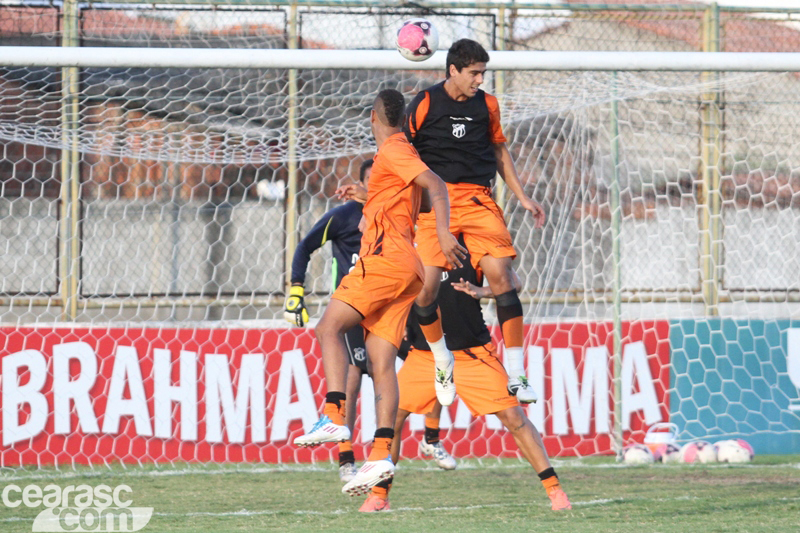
(493, 496)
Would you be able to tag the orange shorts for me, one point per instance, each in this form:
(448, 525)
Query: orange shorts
(480, 377)
(474, 214)
(382, 290)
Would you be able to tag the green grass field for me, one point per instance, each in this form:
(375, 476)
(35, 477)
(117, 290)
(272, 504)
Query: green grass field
(493, 496)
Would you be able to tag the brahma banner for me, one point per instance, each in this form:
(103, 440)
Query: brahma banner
(93, 395)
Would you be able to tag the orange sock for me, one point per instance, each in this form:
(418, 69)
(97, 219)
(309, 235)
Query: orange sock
(431, 423)
(551, 484)
(512, 332)
(346, 446)
(381, 490)
(335, 412)
(433, 331)
(381, 448)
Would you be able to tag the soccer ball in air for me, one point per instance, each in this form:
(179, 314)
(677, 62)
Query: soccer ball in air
(698, 451)
(666, 452)
(734, 451)
(417, 39)
(637, 454)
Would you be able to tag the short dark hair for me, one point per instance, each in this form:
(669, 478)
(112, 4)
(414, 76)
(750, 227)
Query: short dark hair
(464, 53)
(362, 172)
(392, 107)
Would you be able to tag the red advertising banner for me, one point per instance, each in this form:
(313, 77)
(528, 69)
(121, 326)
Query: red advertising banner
(96, 395)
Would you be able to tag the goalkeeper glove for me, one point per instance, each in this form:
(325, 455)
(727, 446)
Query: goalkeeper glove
(294, 310)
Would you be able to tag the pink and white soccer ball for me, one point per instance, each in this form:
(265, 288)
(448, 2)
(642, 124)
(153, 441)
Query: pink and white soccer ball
(666, 452)
(417, 39)
(734, 451)
(637, 454)
(698, 451)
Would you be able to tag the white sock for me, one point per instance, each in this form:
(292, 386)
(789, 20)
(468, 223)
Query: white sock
(441, 354)
(514, 362)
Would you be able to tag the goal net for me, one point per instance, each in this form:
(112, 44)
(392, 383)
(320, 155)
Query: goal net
(149, 214)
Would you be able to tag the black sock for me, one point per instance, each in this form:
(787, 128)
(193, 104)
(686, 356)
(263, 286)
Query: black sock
(431, 435)
(346, 457)
(335, 398)
(548, 473)
(384, 433)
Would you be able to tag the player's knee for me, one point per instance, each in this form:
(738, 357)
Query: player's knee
(499, 274)
(512, 418)
(426, 314)
(326, 328)
(426, 296)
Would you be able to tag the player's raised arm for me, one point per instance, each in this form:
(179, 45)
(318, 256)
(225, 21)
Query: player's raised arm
(506, 169)
(437, 192)
(352, 191)
(479, 292)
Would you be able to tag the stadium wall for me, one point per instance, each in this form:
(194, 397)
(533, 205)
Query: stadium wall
(164, 395)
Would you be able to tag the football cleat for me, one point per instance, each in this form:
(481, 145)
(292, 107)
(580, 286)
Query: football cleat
(370, 474)
(347, 472)
(445, 386)
(443, 460)
(323, 431)
(519, 387)
(374, 504)
(559, 500)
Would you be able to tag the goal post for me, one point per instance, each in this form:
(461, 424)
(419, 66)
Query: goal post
(84, 57)
(663, 287)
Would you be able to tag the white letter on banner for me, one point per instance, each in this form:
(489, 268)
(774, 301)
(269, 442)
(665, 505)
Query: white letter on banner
(16, 395)
(536, 376)
(185, 394)
(220, 402)
(126, 370)
(793, 355)
(368, 419)
(634, 364)
(293, 371)
(566, 388)
(66, 390)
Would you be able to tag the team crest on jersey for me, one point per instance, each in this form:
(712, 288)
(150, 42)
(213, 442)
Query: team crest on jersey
(359, 354)
(459, 130)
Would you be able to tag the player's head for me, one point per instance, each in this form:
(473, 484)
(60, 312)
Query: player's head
(466, 65)
(463, 53)
(365, 171)
(389, 107)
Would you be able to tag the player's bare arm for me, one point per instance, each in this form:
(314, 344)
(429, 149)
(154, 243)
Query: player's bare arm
(505, 166)
(352, 191)
(483, 292)
(437, 191)
(473, 290)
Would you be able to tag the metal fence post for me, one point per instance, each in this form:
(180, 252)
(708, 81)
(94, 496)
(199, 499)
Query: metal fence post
(69, 231)
(291, 193)
(709, 195)
(616, 221)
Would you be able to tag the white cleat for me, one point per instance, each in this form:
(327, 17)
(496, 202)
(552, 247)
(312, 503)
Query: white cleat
(519, 387)
(347, 472)
(323, 431)
(443, 460)
(370, 474)
(444, 385)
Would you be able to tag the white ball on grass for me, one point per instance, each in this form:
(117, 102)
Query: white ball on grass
(637, 454)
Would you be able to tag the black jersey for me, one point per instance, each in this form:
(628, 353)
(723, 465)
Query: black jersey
(455, 139)
(340, 227)
(462, 318)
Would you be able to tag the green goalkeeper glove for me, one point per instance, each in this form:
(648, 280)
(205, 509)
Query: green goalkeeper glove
(294, 310)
